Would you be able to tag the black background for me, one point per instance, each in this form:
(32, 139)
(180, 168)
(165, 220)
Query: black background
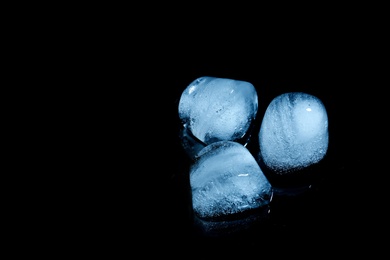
(108, 81)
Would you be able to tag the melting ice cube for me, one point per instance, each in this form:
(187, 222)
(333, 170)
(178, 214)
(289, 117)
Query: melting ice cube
(293, 133)
(215, 109)
(226, 179)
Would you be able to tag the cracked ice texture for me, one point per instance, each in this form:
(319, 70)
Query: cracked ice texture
(294, 132)
(216, 109)
(226, 179)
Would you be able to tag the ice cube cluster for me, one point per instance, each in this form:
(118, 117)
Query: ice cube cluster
(216, 116)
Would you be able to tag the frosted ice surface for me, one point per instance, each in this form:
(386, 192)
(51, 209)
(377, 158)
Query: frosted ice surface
(293, 132)
(216, 109)
(226, 179)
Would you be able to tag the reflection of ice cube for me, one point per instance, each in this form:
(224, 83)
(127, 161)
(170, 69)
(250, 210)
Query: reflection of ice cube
(234, 226)
(191, 144)
(216, 109)
(294, 132)
(226, 179)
